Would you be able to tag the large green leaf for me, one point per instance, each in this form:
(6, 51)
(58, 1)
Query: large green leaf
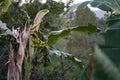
(114, 21)
(111, 47)
(113, 4)
(67, 56)
(113, 54)
(104, 68)
(106, 5)
(112, 39)
(100, 6)
(54, 36)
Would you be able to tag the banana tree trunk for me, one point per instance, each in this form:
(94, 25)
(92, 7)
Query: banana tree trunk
(11, 75)
(15, 71)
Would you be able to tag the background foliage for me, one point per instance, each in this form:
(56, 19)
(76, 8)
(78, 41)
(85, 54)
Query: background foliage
(52, 61)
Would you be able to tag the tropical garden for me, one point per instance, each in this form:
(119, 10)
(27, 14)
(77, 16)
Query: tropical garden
(59, 41)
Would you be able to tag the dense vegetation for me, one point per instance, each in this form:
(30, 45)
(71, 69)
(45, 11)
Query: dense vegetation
(45, 42)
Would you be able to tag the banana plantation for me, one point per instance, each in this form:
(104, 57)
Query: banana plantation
(53, 40)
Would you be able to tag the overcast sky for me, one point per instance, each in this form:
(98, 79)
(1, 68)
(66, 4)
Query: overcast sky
(78, 1)
(75, 1)
(99, 13)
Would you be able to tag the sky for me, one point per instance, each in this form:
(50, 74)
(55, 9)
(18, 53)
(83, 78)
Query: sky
(75, 1)
(99, 13)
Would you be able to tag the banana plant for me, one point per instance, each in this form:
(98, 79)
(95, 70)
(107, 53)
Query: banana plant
(32, 35)
(34, 41)
(22, 38)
